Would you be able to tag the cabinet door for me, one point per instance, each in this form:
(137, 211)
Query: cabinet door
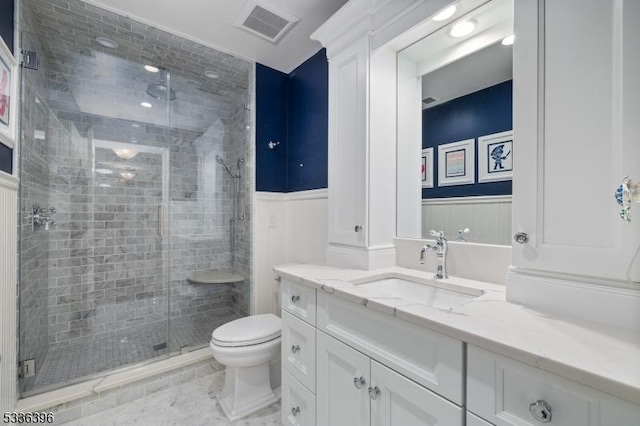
(348, 82)
(402, 402)
(343, 378)
(576, 128)
(509, 393)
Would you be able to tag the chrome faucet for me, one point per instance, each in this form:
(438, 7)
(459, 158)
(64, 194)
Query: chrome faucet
(441, 247)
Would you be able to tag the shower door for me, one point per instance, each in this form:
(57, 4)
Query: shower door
(94, 167)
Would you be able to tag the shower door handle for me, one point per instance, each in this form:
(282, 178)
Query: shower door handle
(160, 220)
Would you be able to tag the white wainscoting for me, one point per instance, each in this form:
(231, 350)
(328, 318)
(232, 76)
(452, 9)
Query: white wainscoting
(488, 218)
(8, 290)
(288, 228)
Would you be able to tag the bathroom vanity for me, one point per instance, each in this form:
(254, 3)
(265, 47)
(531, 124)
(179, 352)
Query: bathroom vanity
(394, 347)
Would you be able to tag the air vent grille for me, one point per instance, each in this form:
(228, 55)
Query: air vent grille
(265, 19)
(266, 23)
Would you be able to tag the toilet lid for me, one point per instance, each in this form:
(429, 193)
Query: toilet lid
(247, 331)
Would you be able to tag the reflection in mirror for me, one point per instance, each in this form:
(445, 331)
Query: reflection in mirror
(466, 127)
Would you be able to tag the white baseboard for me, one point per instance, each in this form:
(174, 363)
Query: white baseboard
(361, 258)
(615, 306)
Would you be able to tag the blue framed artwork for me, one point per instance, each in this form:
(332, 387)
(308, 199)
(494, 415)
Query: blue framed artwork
(456, 163)
(495, 159)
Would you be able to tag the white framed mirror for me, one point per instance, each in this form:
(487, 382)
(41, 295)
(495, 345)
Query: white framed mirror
(455, 144)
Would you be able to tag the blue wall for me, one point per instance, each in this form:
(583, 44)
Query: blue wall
(292, 109)
(6, 32)
(477, 114)
(271, 125)
(308, 125)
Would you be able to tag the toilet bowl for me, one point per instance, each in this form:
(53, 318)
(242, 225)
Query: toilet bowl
(245, 346)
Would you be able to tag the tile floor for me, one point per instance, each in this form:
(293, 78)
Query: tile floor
(191, 404)
(66, 364)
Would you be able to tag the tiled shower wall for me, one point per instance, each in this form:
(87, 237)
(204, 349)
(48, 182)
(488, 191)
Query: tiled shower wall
(104, 269)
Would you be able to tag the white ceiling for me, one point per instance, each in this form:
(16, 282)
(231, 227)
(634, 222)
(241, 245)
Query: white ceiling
(209, 22)
(477, 71)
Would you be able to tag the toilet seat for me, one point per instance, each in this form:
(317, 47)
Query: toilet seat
(251, 330)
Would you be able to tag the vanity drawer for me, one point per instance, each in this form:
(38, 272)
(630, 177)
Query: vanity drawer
(299, 300)
(503, 391)
(433, 360)
(298, 404)
(299, 350)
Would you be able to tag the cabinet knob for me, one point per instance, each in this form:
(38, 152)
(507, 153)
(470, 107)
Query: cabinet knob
(359, 382)
(521, 238)
(295, 348)
(541, 411)
(295, 410)
(295, 298)
(357, 228)
(374, 392)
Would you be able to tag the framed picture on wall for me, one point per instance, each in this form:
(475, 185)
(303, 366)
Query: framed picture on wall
(8, 96)
(495, 158)
(427, 168)
(456, 163)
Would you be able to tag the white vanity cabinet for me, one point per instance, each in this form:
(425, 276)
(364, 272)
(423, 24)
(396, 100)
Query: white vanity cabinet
(355, 390)
(298, 354)
(577, 134)
(508, 393)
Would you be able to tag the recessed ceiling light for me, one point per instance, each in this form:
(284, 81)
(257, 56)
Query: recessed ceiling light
(146, 104)
(445, 13)
(127, 154)
(463, 28)
(106, 42)
(127, 175)
(104, 171)
(137, 126)
(508, 40)
(151, 68)
(104, 185)
(211, 74)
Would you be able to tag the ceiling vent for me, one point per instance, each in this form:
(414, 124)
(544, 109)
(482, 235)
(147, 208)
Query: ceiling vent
(265, 19)
(427, 101)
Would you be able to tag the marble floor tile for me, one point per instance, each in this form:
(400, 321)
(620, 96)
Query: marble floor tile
(192, 404)
(67, 364)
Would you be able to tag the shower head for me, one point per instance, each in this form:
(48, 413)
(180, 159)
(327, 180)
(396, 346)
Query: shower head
(221, 161)
(161, 90)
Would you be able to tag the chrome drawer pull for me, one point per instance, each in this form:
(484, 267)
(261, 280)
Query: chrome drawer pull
(521, 238)
(541, 411)
(295, 411)
(374, 392)
(359, 382)
(357, 228)
(295, 298)
(295, 348)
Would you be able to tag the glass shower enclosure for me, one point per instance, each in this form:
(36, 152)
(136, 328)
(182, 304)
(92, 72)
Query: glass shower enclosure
(134, 178)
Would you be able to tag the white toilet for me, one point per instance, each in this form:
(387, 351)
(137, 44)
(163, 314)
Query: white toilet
(245, 346)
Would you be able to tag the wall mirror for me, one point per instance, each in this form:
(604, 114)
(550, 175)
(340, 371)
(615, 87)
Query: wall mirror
(455, 153)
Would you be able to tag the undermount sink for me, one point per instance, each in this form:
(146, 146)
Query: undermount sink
(429, 293)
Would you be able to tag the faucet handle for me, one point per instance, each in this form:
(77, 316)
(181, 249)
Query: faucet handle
(438, 234)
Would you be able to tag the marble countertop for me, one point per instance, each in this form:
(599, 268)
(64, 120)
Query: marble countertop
(595, 355)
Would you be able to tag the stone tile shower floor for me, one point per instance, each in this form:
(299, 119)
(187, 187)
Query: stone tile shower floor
(64, 364)
(191, 404)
